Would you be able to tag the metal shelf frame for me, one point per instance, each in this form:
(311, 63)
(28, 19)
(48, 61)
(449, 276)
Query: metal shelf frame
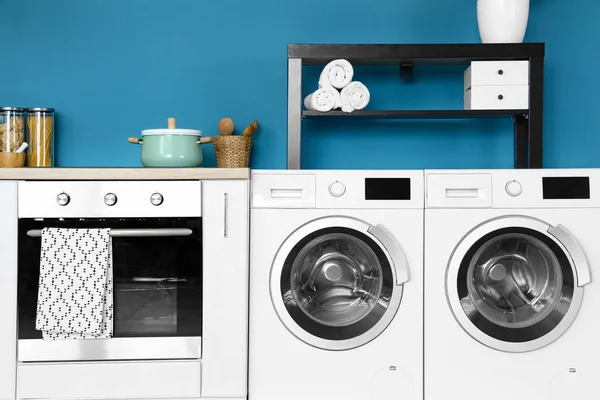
(528, 124)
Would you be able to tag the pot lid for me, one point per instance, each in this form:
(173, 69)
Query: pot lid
(172, 130)
(186, 132)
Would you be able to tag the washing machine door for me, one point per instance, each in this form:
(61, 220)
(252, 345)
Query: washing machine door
(337, 282)
(515, 283)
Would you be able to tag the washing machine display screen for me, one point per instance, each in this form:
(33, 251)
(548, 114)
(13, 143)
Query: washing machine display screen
(336, 284)
(515, 285)
(387, 189)
(566, 187)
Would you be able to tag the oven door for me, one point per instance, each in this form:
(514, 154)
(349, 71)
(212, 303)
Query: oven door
(157, 291)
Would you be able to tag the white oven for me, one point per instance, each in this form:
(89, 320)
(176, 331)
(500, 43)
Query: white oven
(178, 289)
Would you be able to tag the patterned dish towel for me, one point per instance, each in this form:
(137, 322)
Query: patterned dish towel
(75, 298)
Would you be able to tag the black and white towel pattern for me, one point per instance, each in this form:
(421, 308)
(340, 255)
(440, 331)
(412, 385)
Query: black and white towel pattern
(75, 298)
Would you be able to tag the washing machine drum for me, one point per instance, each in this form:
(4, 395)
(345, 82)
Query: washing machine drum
(514, 280)
(336, 279)
(335, 287)
(513, 284)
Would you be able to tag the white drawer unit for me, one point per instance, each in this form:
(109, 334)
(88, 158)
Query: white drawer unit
(497, 98)
(496, 73)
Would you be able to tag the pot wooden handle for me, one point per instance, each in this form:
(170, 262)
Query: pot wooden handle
(205, 140)
(133, 140)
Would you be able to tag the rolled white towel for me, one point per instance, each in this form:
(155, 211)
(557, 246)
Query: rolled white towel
(337, 73)
(355, 96)
(323, 99)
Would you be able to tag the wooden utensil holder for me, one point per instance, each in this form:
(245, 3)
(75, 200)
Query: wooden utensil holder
(232, 151)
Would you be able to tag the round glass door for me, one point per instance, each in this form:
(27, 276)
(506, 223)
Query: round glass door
(513, 288)
(334, 287)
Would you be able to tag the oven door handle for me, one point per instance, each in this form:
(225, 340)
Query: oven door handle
(159, 232)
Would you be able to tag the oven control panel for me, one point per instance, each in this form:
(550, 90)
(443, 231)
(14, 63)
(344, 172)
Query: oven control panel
(97, 199)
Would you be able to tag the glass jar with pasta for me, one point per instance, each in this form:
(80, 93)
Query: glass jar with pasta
(40, 129)
(12, 129)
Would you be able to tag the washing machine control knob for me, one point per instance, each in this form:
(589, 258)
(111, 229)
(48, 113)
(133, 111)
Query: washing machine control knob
(337, 189)
(513, 188)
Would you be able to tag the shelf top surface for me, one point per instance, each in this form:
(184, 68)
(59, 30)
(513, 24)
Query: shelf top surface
(373, 54)
(400, 114)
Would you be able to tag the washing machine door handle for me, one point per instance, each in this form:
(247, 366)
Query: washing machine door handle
(580, 263)
(398, 257)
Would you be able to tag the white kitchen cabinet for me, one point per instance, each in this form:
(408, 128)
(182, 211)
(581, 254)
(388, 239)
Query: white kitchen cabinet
(225, 220)
(8, 288)
(497, 85)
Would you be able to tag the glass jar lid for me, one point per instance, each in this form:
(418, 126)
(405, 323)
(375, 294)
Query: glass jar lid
(16, 109)
(40, 109)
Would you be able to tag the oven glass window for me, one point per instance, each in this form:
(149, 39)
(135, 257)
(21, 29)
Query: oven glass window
(157, 281)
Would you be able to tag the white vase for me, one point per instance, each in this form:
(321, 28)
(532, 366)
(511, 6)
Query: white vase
(502, 21)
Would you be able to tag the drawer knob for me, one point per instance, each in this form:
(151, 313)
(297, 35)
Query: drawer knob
(500, 72)
(500, 97)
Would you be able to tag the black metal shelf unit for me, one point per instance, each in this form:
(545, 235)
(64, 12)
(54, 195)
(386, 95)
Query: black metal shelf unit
(528, 123)
(416, 114)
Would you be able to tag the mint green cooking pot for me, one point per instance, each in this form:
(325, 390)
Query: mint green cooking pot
(171, 148)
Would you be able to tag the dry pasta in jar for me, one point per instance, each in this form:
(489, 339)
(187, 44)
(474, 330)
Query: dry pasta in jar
(12, 128)
(40, 129)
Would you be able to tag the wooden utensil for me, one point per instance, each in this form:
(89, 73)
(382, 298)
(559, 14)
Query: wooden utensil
(251, 129)
(225, 126)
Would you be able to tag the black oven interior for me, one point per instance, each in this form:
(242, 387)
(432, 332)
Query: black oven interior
(157, 280)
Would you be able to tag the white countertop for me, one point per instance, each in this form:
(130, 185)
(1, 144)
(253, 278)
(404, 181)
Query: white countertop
(137, 174)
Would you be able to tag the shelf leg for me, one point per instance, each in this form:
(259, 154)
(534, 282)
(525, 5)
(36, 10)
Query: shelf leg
(407, 72)
(294, 112)
(521, 141)
(536, 112)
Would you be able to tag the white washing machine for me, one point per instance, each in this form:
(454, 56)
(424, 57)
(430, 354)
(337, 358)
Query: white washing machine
(336, 290)
(511, 307)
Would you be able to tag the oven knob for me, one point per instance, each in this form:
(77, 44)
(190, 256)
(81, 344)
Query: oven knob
(513, 188)
(110, 199)
(337, 189)
(63, 199)
(156, 199)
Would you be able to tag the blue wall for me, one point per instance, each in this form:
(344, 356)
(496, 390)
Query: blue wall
(114, 67)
